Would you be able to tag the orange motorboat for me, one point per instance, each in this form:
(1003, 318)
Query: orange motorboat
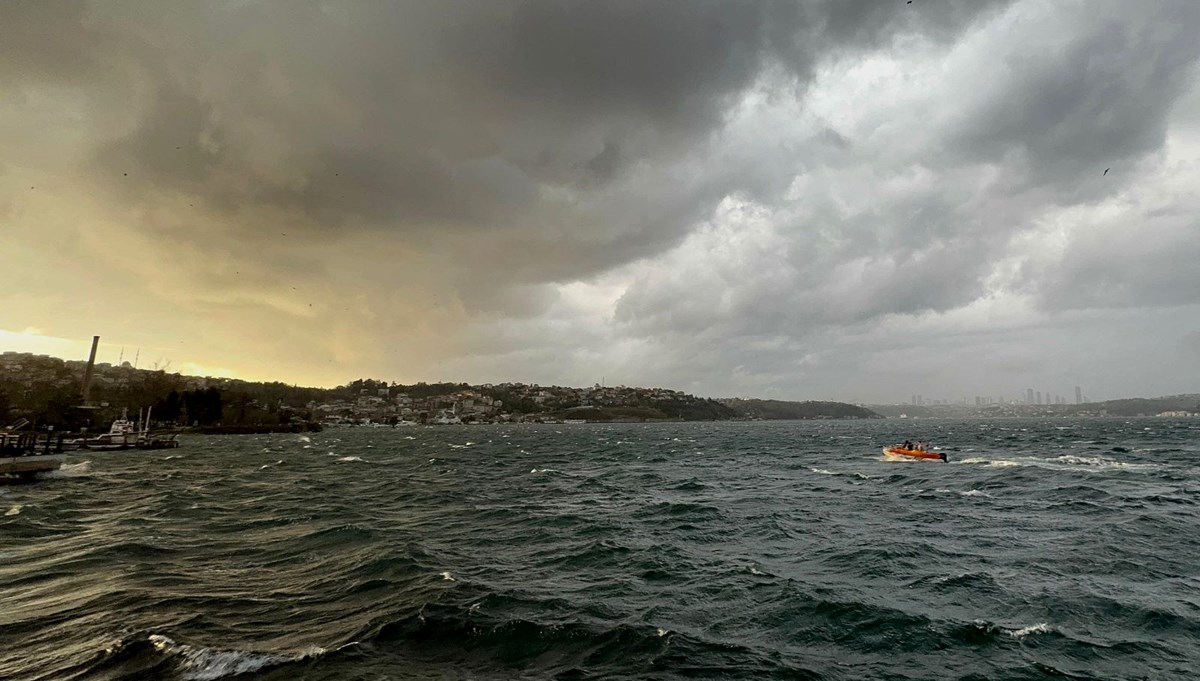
(913, 453)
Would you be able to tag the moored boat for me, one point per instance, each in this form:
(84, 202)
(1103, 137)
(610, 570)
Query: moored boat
(125, 434)
(25, 453)
(121, 435)
(900, 451)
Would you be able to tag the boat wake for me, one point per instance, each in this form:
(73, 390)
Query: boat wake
(1063, 463)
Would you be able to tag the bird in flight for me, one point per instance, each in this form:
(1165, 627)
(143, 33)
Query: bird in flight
(1106, 171)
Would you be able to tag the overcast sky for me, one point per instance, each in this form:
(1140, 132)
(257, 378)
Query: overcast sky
(840, 199)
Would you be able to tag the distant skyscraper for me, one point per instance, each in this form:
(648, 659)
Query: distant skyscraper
(1039, 397)
(1078, 395)
(1029, 396)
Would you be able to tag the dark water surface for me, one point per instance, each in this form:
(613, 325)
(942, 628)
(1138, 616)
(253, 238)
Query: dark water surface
(787, 550)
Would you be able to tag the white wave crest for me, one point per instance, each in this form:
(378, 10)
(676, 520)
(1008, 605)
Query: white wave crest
(69, 470)
(206, 664)
(15, 510)
(821, 471)
(542, 470)
(1039, 628)
(975, 493)
(448, 577)
(352, 458)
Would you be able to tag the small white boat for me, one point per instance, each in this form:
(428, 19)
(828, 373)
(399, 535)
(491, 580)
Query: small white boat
(122, 435)
(125, 434)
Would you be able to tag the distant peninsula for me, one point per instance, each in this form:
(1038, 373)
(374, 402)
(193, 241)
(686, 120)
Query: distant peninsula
(778, 409)
(46, 391)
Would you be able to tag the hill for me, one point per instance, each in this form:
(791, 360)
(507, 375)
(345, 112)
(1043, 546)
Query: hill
(1140, 406)
(779, 410)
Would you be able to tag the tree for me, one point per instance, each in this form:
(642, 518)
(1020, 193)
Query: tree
(168, 409)
(203, 406)
(61, 410)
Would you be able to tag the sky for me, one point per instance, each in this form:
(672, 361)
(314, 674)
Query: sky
(858, 200)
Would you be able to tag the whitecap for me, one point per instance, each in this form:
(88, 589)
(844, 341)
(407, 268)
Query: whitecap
(206, 664)
(822, 471)
(661, 632)
(352, 458)
(448, 577)
(1039, 628)
(975, 493)
(15, 510)
(69, 470)
(543, 470)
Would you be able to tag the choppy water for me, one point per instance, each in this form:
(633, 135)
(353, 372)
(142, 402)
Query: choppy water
(1044, 549)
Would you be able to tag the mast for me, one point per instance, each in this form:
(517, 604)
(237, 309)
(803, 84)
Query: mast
(87, 374)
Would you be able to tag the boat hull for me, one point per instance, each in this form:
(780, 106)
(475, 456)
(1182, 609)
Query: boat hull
(913, 453)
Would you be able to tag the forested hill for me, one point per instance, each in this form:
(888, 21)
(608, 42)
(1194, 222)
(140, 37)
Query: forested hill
(1138, 406)
(778, 409)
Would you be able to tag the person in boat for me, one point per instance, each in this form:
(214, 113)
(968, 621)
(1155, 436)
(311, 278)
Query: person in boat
(907, 444)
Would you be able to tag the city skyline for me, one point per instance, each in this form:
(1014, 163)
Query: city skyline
(816, 199)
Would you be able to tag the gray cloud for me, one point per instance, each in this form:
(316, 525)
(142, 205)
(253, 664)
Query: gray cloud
(755, 191)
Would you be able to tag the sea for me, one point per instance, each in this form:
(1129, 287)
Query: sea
(1043, 549)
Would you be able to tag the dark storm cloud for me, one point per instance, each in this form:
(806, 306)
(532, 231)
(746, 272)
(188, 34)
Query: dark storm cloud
(1092, 94)
(761, 180)
(28, 31)
(876, 231)
(420, 114)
